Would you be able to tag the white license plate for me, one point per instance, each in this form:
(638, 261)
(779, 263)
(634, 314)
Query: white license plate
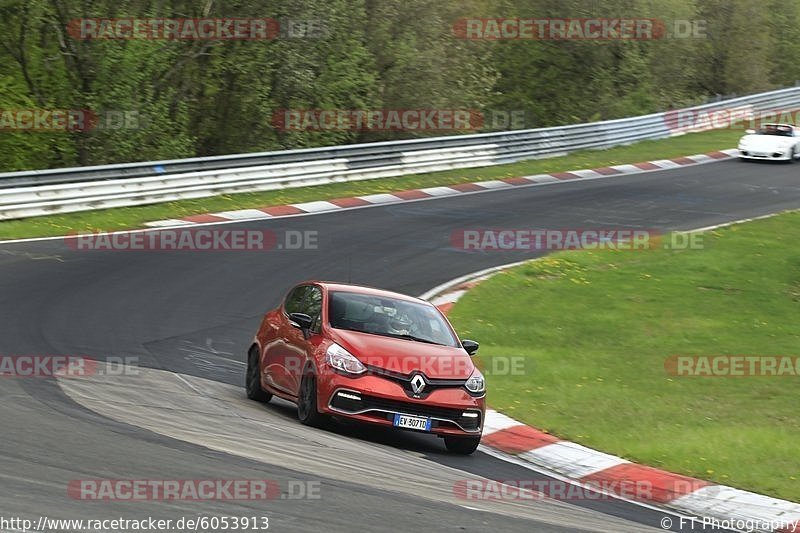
(412, 422)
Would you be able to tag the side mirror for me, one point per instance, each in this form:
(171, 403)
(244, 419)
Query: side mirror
(470, 346)
(301, 321)
(749, 132)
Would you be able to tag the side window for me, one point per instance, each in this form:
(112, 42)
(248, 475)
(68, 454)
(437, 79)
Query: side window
(312, 306)
(294, 301)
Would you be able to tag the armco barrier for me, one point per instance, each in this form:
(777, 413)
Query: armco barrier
(27, 194)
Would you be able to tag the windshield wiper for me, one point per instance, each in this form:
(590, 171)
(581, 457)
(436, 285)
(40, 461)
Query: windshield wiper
(396, 336)
(412, 338)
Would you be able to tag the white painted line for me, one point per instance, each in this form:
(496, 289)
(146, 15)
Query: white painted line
(494, 184)
(541, 178)
(243, 214)
(731, 152)
(627, 169)
(489, 186)
(586, 173)
(171, 223)
(700, 158)
(449, 298)
(498, 421)
(439, 289)
(688, 521)
(723, 502)
(316, 207)
(734, 222)
(665, 163)
(440, 191)
(572, 459)
(381, 198)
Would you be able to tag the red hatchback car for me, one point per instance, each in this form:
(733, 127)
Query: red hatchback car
(364, 354)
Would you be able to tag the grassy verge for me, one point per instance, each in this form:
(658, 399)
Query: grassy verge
(132, 217)
(596, 327)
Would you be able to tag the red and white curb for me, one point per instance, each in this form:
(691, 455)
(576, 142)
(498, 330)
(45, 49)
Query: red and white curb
(732, 508)
(356, 202)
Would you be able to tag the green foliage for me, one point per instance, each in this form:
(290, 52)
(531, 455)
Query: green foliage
(199, 97)
(593, 332)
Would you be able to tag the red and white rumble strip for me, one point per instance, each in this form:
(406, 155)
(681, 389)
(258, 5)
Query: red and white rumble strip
(339, 204)
(713, 505)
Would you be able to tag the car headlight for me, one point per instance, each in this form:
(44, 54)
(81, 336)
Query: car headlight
(341, 359)
(476, 383)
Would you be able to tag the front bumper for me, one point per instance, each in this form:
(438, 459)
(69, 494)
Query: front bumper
(375, 400)
(763, 156)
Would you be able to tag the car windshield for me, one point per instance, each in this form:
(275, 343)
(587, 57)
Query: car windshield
(389, 317)
(771, 129)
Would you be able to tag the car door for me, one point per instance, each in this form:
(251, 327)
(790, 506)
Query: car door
(302, 348)
(280, 355)
(796, 135)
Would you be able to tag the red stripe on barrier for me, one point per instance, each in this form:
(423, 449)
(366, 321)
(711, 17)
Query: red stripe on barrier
(413, 194)
(607, 171)
(516, 181)
(445, 308)
(349, 202)
(281, 210)
(564, 175)
(718, 155)
(467, 187)
(204, 218)
(518, 439)
(659, 485)
(793, 527)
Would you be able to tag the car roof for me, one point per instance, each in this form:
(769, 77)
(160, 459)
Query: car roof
(363, 289)
(777, 124)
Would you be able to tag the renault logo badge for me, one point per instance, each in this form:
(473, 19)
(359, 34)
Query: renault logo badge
(417, 384)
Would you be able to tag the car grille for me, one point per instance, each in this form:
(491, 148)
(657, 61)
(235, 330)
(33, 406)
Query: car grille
(384, 408)
(405, 381)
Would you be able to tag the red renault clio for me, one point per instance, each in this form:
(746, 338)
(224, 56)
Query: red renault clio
(352, 352)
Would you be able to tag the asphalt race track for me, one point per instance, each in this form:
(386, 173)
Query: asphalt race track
(194, 314)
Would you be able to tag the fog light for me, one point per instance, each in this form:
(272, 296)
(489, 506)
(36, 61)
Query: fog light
(469, 414)
(348, 396)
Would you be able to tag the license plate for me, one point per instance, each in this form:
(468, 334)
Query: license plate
(412, 422)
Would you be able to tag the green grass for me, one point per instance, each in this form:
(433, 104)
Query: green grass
(133, 217)
(595, 329)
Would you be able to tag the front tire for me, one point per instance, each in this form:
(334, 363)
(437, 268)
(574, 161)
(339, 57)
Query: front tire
(307, 411)
(462, 445)
(253, 378)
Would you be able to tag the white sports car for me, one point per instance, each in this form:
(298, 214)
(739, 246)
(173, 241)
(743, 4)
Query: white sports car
(773, 142)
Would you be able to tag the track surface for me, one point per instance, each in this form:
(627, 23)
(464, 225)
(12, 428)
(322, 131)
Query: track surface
(195, 313)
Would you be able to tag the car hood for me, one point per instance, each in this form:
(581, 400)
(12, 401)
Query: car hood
(766, 142)
(406, 356)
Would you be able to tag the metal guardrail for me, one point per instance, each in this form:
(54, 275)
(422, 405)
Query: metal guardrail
(27, 194)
